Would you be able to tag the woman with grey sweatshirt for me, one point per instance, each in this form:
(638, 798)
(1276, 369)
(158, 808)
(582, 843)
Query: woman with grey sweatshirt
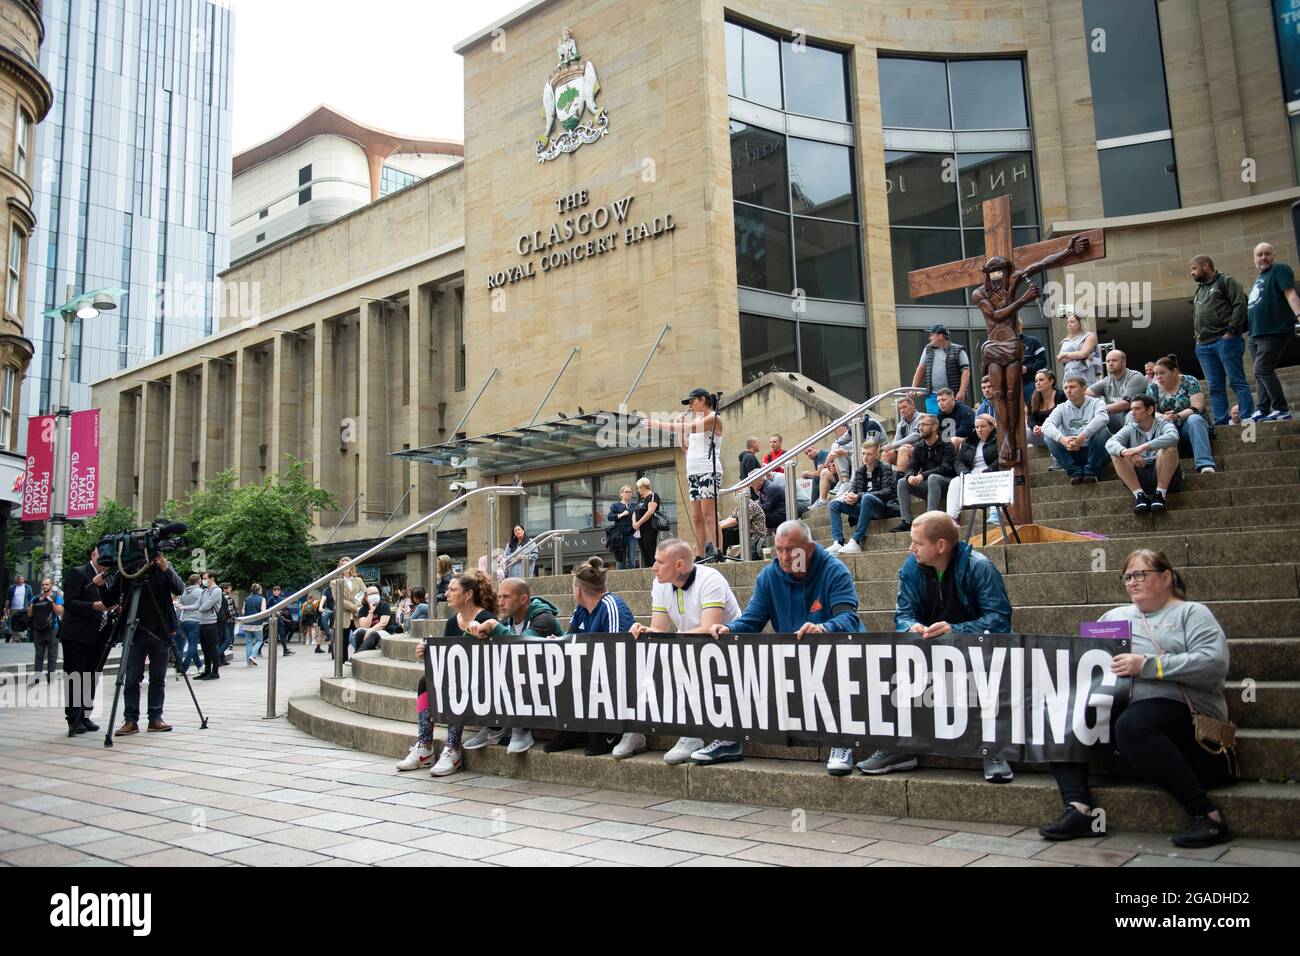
(210, 599)
(1178, 663)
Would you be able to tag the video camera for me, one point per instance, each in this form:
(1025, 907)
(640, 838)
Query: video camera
(138, 546)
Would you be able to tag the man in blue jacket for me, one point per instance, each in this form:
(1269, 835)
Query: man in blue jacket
(946, 587)
(804, 591)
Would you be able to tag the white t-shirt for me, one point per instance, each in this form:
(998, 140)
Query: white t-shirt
(685, 608)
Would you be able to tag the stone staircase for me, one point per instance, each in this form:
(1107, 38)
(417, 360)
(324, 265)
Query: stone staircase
(1235, 535)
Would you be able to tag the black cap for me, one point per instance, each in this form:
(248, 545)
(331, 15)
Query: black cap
(940, 328)
(697, 393)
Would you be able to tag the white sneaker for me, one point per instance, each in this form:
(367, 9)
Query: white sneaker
(419, 756)
(835, 548)
(851, 547)
(486, 736)
(450, 762)
(630, 744)
(840, 763)
(682, 750)
(521, 741)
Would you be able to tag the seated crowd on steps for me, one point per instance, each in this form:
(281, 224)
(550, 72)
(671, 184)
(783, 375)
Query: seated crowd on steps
(1178, 665)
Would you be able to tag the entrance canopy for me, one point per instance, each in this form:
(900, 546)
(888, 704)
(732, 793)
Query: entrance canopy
(560, 441)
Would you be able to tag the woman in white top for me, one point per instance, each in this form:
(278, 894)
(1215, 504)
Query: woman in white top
(974, 458)
(700, 433)
(1079, 353)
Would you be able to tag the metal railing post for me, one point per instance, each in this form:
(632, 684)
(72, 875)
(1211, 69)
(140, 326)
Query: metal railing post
(557, 554)
(492, 535)
(274, 628)
(742, 522)
(337, 586)
(433, 567)
(791, 494)
(855, 455)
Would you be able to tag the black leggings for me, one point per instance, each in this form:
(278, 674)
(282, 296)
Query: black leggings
(1155, 739)
(647, 543)
(210, 638)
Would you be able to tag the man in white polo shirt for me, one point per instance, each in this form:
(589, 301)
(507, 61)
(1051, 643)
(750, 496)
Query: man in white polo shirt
(691, 598)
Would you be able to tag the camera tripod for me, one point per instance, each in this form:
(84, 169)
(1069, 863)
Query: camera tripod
(129, 624)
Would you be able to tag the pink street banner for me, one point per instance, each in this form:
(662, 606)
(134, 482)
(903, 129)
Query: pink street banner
(40, 468)
(83, 465)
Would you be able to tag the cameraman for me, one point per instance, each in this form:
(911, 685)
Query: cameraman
(153, 638)
(83, 619)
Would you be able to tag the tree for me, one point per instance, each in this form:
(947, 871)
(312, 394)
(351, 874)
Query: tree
(78, 539)
(257, 532)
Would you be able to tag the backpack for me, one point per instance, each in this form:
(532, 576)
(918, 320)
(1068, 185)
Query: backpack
(223, 611)
(42, 614)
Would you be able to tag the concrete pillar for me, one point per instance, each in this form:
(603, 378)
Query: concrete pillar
(322, 384)
(122, 487)
(153, 448)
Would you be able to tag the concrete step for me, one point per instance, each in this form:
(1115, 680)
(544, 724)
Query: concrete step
(1239, 618)
(1256, 809)
(1266, 452)
(1264, 703)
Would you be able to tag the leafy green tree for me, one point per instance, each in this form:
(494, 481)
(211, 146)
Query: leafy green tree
(78, 539)
(256, 532)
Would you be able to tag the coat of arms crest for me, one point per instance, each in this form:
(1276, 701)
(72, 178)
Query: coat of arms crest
(569, 94)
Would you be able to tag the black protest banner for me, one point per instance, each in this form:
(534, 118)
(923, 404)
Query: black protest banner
(1022, 697)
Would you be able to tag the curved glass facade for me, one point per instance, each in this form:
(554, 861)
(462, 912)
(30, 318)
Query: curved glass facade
(797, 214)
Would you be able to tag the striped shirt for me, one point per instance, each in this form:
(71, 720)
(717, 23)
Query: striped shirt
(611, 616)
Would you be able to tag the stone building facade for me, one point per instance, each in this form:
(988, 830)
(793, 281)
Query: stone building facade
(745, 184)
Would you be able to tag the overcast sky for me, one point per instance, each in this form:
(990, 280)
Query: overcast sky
(387, 63)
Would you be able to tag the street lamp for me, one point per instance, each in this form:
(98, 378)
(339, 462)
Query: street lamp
(86, 306)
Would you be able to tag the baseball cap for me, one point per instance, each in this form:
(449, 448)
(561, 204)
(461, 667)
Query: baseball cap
(696, 393)
(940, 328)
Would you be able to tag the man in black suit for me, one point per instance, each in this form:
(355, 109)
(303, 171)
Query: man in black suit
(83, 643)
(153, 639)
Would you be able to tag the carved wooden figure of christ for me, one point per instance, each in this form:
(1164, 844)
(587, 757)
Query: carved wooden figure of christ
(997, 281)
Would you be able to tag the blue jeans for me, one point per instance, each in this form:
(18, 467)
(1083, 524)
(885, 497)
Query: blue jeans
(1194, 436)
(157, 653)
(868, 507)
(1086, 461)
(1224, 358)
(190, 629)
(253, 641)
(227, 638)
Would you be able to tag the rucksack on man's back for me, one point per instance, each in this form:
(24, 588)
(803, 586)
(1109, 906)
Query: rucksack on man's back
(42, 615)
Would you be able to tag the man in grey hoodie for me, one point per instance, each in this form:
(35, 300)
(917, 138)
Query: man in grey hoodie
(210, 599)
(1076, 432)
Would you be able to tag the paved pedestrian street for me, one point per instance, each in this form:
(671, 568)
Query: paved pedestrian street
(250, 791)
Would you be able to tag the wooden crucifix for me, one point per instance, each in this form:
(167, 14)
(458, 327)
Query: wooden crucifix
(997, 280)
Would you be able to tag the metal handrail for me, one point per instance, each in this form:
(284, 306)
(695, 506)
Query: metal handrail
(335, 573)
(534, 547)
(851, 418)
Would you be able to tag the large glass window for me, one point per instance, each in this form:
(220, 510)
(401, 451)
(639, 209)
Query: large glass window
(758, 167)
(827, 260)
(835, 354)
(815, 83)
(821, 180)
(796, 209)
(573, 504)
(767, 345)
(21, 132)
(763, 249)
(914, 93)
(1130, 106)
(936, 191)
(7, 402)
(15, 272)
(753, 66)
(1287, 30)
(582, 503)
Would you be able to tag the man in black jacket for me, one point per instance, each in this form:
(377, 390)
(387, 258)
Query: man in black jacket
(771, 497)
(872, 494)
(749, 457)
(931, 468)
(1035, 361)
(153, 639)
(80, 632)
(956, 419)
